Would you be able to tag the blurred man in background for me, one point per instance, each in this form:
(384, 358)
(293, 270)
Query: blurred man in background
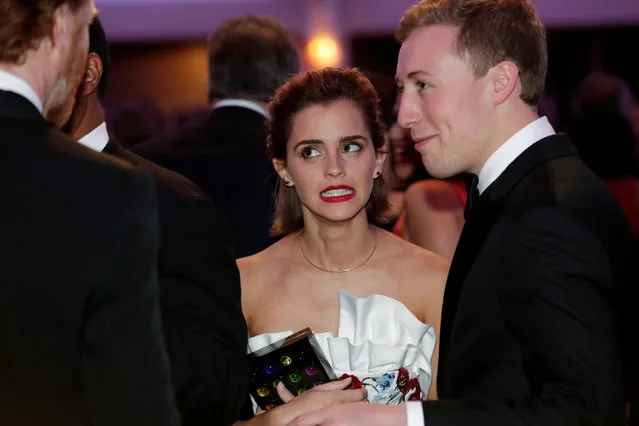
(249, 57)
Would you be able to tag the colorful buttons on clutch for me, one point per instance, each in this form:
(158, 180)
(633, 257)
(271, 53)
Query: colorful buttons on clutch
(295, 377)
(286, 360)
(296, 362)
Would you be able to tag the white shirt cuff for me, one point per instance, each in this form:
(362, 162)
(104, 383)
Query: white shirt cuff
(414, 413)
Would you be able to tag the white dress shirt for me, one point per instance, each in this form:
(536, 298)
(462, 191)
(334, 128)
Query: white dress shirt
(13, 83)
(492, 169)
(243, 103)
(415, 413)
(97, 138)
(511, 149)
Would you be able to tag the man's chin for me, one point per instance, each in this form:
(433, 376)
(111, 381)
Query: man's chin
(431, 167)
(438, 172)
(62, 104)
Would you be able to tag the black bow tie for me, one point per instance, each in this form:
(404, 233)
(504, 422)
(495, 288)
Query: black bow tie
(473, 196)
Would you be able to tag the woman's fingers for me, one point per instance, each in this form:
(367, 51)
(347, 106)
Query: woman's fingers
(336, 385)
(284, 393)
(355, 395)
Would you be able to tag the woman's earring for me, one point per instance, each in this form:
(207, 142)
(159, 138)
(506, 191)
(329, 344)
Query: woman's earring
(378, 174)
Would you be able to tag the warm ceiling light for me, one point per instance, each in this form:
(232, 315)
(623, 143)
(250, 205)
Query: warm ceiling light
(323, 51)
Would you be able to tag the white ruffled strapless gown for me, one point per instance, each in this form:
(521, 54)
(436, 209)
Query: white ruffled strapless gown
(380, 342)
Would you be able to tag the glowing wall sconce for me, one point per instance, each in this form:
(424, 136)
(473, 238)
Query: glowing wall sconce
(323, 51)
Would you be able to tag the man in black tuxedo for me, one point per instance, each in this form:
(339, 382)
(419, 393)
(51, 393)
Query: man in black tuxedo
(80, 337)
(530, 325)
(249, 57)
(204, 329)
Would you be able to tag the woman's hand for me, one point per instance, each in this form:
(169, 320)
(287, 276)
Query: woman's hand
(319, 397)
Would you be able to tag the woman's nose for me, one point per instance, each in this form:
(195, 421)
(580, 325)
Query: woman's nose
(334, 166)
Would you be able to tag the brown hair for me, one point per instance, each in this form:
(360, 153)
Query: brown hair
(322, 87)
(23, 25)
(250, 57)
(490, 31)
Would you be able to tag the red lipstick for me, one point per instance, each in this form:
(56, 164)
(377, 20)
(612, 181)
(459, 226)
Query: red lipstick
(337, 193)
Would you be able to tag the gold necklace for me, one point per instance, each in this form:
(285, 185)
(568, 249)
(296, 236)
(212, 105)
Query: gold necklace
(343, 270)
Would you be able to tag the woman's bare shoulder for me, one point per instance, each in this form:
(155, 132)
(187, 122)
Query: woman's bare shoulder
(263, 266)
(414, 260)
(260, 275)
(420, 276)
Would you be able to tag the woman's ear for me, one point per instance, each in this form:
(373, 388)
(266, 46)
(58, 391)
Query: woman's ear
(380, 157)
(280, 168)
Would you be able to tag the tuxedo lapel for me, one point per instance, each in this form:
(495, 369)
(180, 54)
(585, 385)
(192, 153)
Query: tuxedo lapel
(485, 213)
(549, 148)
(111, 147)
(473, 235)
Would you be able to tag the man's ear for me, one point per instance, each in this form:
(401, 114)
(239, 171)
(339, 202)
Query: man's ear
(505, 76)
(92, 74)
(280, 168)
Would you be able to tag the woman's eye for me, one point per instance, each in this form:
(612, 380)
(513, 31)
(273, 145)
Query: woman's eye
(352, 147)
(310, 152)
(420, 85)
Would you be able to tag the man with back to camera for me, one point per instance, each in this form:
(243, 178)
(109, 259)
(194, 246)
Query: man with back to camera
(204, 329)
(249, 57)
(80, 338)
(530, 325)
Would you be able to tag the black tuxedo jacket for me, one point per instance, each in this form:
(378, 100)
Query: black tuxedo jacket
(80, 337)
(631, 301)
(226, 157)
(530, 332)
(204, 328)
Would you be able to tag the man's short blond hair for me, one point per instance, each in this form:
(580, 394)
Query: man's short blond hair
(490, 31)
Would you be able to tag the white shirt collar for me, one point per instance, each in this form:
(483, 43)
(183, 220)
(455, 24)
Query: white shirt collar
(97, 138)
(243, 103)
(13, 83)
(511, 149)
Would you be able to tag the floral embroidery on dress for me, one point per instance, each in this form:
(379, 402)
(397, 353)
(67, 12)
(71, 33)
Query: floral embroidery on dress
(392, 388)
(409, 386)
(355, 384)
(385, 380)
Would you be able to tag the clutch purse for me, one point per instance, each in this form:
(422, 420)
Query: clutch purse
(297, 361)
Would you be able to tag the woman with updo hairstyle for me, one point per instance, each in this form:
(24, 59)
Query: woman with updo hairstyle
(372, 299)
(321, 88)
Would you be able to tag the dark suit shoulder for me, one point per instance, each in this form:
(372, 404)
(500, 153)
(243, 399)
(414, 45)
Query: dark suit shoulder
(37, 143)
(175, 140)
(226, 130)
(568, 183)
(226, 155)
(165, 179)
